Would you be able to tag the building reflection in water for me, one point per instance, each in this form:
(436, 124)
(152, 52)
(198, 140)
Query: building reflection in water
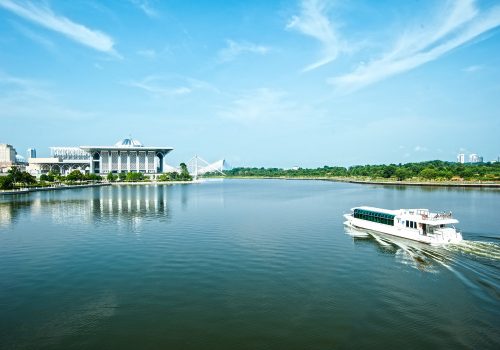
(130, 204)
(118, 204)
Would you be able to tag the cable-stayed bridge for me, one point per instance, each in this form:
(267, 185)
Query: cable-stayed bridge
(198, 166)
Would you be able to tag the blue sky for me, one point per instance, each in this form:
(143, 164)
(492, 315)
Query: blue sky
(259, 83)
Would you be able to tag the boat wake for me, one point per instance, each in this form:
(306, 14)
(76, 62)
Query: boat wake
(426, 257)
(476, 249)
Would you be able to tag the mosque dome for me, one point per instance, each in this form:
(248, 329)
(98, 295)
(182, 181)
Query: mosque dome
(129, 142)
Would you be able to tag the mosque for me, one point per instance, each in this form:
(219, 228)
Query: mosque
(127, 155)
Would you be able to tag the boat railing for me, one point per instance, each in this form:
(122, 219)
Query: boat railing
(437, 216)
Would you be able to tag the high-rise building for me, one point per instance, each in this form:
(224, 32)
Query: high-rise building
(7, 156)
(461, 158)
(474, 158)
(7, 153)
(31, 153)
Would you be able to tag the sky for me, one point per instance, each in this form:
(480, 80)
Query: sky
(259, 83)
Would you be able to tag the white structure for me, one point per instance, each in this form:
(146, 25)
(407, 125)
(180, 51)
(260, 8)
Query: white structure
(7, 156)
(127, 155)
(39, 166)
(461, 158)
(198, 166)
(474, 158)
(415, 224)
(69, 153)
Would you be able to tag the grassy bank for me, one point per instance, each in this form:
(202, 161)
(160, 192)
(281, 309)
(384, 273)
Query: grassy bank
(376, 181)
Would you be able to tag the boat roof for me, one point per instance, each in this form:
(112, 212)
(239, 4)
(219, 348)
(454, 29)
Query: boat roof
(429, 218)
(378, 210)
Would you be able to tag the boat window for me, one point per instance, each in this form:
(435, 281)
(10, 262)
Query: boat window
(383, 218)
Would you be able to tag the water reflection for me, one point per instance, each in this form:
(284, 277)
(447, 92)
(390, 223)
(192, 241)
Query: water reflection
(120, 204)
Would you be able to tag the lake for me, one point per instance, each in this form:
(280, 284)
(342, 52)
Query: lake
(243, 264)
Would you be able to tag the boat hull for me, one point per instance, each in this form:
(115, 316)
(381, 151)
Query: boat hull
(402, 232)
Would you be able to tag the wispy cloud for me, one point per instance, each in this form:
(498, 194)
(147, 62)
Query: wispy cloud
(145, 6)
(420, 149)
(31, 99)
(149, 53)
(458, 23)
(42, 15)
(472, 69)
(235, 48)
(314, 22)
(263, 105)
(37, 38)
(160, 86)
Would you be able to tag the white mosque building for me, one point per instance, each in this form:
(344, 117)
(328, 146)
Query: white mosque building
(127, 155)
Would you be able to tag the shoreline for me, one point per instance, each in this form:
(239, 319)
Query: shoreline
(155, 183)
(54, 188)
(378, 182)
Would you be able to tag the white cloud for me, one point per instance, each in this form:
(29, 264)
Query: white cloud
(313, 22)
(151, 54)
(160, 86)
(472, 69)
(420, 149)
(30, 99)
(462, 23)
(234, 49)
(146, 7)
(259, 105)
(43, 15)
(37, 38)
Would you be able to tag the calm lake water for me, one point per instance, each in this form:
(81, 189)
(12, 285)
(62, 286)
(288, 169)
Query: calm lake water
(243, 264)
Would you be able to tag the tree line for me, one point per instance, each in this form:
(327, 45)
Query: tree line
(436, 170)
(15, 178)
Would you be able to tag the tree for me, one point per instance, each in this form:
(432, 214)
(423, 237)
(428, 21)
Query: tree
(428, 173)
(27, 178)
(15, 174)
(184, 176)
(402, 174)
(164, 177)
(92, 177)
(111, 177)
(6, 182)
(122, 176)
(75, 175)
(135, 176)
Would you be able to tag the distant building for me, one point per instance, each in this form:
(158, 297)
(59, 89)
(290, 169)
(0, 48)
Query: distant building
(474, 158)
(31, 153)
(7, 156)
(461, 158)
(127, 155)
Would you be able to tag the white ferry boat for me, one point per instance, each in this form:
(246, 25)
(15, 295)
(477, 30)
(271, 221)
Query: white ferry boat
(415, 224)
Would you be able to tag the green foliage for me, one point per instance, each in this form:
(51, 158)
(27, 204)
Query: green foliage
(122, 176)
(111, 177)
(15, 177)
(131, 177)
(402, 174)
(164, 177)
(428, 173)
(93, 177)
(50, 177)
(75, 175)
(431, 170)
(184, 175)
(6, 182)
